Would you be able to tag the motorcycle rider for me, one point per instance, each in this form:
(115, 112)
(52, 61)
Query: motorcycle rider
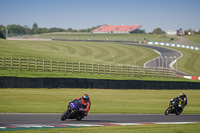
(182, 100)
(86, 103)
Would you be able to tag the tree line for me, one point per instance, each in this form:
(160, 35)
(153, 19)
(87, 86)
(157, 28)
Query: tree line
(15, 30)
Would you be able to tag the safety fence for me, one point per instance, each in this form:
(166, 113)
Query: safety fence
(50, 66)
(174, 45)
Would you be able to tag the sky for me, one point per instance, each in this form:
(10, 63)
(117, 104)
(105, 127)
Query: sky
(82, 14)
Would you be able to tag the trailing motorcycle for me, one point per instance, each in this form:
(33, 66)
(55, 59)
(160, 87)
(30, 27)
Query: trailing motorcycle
(174, 107)
(75, 110)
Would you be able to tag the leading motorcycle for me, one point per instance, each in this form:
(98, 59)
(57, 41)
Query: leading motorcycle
(75, 110)
(174, 107)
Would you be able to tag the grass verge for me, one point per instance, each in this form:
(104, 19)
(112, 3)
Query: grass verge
(40, 74)
(103, 100)
(190, 62)
(110, 37)
(186, 128)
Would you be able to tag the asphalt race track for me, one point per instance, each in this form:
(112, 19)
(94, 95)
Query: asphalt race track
(166, 59)
(31, 118)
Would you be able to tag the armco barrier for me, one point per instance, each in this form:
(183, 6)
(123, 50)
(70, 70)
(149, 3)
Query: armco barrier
(19, 82)
(174, 45)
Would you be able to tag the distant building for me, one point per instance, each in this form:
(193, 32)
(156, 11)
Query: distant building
(171, 32)
(189, 32)
(179, 32)
(116, 29)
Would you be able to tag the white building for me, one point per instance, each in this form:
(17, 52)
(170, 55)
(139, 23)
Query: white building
(171, 32)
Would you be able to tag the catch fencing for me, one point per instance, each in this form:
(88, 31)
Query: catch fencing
(92, 68)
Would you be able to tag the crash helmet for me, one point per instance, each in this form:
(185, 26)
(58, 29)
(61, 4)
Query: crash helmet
(181, 95)
(85, 97)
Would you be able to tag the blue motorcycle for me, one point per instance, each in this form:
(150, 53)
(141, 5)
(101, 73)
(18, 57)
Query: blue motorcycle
(75, 110)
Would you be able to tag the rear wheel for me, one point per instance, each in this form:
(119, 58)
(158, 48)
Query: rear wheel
(167, 111)
(80, 117)
(178, 112)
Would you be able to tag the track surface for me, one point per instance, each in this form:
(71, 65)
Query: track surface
(166, 59)
(21, 118)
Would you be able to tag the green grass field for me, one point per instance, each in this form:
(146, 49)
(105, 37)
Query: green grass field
(103, 100)
(193, 40)
(34, 74)
(89, 52)
(190, 62)
(111, 37)
(186, 128)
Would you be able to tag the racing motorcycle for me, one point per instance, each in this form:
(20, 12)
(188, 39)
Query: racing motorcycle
(75, 110)
(174, 107)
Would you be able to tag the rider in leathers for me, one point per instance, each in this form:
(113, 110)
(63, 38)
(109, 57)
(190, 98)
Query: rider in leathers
(182, 100)
(86, 103)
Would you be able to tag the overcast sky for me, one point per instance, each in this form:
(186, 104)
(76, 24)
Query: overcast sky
(80, 14)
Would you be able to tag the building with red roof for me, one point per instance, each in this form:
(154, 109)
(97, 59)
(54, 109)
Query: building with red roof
(116, 29)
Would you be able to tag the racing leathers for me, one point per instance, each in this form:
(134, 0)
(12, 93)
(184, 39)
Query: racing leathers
(182, 100)
(86, 104)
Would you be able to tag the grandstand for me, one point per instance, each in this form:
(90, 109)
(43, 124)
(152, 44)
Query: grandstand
(116, 29)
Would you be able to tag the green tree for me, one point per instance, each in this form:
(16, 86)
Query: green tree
(35, 29)
(138, 31)
(27, 30)
(69, 29)
(35, 26)
(2, 28)
(54, 29)
(157, 31)
(15, 30)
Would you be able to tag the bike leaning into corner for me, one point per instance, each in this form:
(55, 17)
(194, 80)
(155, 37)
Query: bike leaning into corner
(177, 105)
(78, 108)
(75, 110)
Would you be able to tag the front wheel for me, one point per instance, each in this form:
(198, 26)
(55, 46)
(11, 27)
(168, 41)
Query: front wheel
(167, 111)
(64, 115)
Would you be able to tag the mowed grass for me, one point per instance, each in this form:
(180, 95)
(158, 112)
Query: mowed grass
(107, 37)
(89, 52)
(186, 128)
(103, 100)
(189, 62)
(41, 74)
(193, 40)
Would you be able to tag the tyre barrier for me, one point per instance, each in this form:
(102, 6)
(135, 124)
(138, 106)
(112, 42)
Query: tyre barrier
(21, 82)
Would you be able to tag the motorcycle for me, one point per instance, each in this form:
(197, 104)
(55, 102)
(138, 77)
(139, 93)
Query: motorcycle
(174, 107)
(75, 110)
